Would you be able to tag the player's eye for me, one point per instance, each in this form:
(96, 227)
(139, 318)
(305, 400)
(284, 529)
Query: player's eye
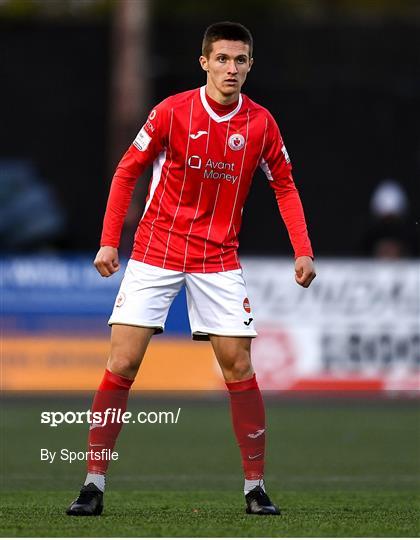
(221, 58)
(241, 60)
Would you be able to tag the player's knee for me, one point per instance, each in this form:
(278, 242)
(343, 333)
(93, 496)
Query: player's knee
(123, 365)
(239, 367)
(242, 370)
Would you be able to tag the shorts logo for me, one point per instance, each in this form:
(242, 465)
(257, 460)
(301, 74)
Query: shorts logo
(247, 305)
(120, 300)
(194, 162)
(152, 115)
(236, 141)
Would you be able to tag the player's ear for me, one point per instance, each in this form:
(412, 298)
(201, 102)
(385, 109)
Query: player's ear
(251, 61)
(204, 63)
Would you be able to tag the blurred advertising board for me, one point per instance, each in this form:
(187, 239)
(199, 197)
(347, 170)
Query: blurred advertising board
(356, 328)
(54, 314)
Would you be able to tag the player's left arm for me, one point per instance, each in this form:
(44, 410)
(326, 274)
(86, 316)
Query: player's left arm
(304, 271)
(275, 163)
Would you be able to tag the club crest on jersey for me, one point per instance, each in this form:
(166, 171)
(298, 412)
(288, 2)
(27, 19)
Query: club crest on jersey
(236, 141)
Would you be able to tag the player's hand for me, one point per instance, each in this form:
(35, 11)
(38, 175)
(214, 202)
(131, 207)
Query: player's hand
(304, 271)
(106, 261)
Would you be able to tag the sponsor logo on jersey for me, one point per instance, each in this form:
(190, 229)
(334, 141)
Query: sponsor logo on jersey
(152, 115)
(248, 322)
(214, 170)
(220, 170)
(142, 141)
(198, 134)
(285, 154)
(150, 126)
(120, 300)
(236, 141)
(194, 162)
(247, 305)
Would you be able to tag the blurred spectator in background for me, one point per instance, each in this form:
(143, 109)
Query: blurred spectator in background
(30, 216)
(391, 233)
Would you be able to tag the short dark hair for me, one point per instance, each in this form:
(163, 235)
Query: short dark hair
(232, 31)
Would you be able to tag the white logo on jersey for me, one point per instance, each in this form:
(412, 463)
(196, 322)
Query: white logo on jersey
(141, 142)
(216, 170)
(152, 114)
(236, 141)
(198, 134)
(286, 155)
(194, 162)
(149, 126)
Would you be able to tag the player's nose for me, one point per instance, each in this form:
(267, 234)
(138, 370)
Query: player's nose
(232, 69)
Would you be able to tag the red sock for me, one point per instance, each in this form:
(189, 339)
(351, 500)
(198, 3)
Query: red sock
(112, 394)
(248, 417)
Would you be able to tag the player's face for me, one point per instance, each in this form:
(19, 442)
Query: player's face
(227, 67)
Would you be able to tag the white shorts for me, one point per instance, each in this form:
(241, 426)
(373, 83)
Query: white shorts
(217, 302)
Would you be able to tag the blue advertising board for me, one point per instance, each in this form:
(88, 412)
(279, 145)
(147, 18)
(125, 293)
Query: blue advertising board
(57, 293)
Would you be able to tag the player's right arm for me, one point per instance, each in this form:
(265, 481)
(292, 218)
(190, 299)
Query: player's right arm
(149, 142)
(106, 261)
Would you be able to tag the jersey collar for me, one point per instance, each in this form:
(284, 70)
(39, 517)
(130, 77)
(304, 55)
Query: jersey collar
(214, 116)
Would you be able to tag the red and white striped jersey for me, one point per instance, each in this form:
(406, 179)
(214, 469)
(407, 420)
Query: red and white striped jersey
(203, 165)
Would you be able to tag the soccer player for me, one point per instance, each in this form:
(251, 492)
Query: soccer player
(205, 145)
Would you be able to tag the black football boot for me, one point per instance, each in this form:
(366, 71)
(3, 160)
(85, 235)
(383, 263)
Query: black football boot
(258, 502)
(88, 503)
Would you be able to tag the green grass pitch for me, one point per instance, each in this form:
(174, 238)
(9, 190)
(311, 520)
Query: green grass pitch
(336, 468)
